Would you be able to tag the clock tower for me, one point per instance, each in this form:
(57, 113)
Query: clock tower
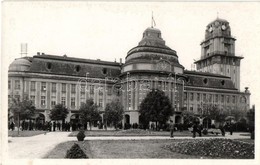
(218, 52)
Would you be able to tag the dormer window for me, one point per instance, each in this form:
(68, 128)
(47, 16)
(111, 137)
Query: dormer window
(77, 68)
(49, 65)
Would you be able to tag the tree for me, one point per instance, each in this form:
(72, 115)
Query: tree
(114, 112)
(22, 110)
(59, 112)
(188, 117)
(251, 116)
(88, 112)
(238, 113)
(251, 121)
(156, 107)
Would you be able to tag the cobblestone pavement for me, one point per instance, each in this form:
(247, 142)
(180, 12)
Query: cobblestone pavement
(39, 145)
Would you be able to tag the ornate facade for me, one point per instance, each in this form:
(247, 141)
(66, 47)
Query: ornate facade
(50, 79)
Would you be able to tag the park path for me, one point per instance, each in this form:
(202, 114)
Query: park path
(38, 146)
(35, 146)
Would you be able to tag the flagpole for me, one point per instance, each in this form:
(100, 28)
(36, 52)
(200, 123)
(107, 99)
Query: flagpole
(152, 19)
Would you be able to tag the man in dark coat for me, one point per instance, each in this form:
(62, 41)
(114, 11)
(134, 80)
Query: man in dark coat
(231, 128)
(195, 129)
(171, 127)
(54, 126)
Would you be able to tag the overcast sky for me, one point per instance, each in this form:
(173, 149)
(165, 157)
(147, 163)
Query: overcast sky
(107, 31)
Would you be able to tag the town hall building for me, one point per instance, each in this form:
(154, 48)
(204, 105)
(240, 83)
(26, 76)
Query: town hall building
(51, 79)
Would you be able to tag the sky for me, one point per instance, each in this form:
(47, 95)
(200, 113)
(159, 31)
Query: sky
(108, 30)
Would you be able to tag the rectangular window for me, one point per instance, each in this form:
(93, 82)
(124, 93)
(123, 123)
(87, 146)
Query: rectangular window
(63, 88)
(43, 101)
(83, 89)
(100, 91)
(185, 96)
(9, 84)
(53, 103)
(92, 89)
(204, 97)
(43, 87)
(191, 108)
(227, 99)
(63, 101)
(109, 90)
(73, 88)
(82, 101)
(100, 102)
(53, 100)
(234, 99)
(198, 97)
(191, 96)
(72, 102)
(210, 97)
(32, 98)
(53, 87)
(17, 84)
(222, 98)
(216, 98)
(33, 85)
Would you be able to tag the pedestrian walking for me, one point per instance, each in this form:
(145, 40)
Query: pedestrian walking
(58, 125)
(12, 126)
(231, 128)
(171, 127)
(195, 129)
(221, 127)
(54, 126)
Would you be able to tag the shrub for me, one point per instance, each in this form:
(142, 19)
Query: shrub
(214, 148)
(75, 152)
(81, 135)
(205, 132)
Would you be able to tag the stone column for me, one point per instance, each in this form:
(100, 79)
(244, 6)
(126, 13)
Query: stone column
(132, 95)
(136, 94)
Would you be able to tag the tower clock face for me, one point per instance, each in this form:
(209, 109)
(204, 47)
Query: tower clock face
(210, 29)
(223, 27)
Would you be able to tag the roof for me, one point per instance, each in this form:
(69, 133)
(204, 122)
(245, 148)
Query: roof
(188, 72)
(20, 64)
(218, 19)
(209, 80)
(73, 59)
(58, 65)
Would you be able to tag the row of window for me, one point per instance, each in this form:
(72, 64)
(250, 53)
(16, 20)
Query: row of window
(83, 88)
(63, 101)
(212, 98)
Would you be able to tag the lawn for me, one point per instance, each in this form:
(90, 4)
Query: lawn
(135, 132)
(159, 149)
(111, 149)
(24, 133)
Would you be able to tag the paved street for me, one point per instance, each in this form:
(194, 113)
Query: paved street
(38, 146)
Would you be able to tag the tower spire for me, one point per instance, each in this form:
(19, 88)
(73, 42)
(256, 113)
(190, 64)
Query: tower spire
(153, 22)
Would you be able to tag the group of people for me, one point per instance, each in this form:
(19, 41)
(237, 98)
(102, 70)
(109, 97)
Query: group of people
(198, 128)
(46, 126)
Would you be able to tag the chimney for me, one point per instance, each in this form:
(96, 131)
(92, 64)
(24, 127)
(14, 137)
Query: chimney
(38, 53)
(23, 49)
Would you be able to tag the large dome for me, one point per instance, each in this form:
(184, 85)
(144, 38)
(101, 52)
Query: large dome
(152, 54)
(20, 64)
(151, 42)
